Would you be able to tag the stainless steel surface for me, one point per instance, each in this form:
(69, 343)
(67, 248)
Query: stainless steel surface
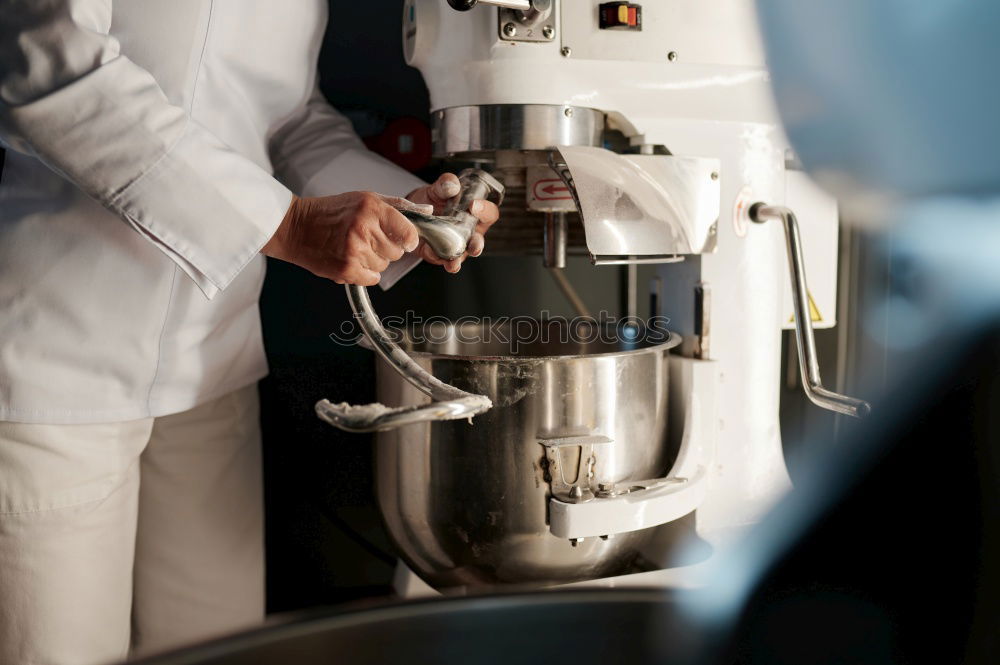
(376, 417)
(643, 206)
(635, 260)
(540, 11)
(576, 487)
(555, 240)
(617, 626)
(561, 169)
(630, 288)
(575, 301)
(448, 235)
(703, 321)
(465, 5)
(812, 382)
(535, 24)
(466, 505)
(481, 129)
(522, 231)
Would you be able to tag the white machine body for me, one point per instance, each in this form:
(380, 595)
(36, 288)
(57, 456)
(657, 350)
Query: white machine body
(693, 80)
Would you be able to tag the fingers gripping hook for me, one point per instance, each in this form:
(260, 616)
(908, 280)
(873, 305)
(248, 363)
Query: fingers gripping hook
(448, 235)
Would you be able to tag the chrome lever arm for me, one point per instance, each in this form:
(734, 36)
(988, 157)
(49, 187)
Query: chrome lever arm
(812, 382)
(466, 5)
(447, 236)
(449, 403)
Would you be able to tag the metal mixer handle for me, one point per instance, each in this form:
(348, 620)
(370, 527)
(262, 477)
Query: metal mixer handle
(379, 418)
(448, 234)
(449, 403)
(476, 184)
(812, 383)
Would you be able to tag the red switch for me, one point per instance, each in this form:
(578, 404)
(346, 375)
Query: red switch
(620, 16)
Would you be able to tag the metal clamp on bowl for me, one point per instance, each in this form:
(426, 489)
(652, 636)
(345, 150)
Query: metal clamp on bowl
(577, 490)
(592, 505)
(448, 235)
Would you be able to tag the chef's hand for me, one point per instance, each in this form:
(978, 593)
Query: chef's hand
(349, 238)
(438, 195)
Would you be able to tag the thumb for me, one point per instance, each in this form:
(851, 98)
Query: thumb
(446, 187)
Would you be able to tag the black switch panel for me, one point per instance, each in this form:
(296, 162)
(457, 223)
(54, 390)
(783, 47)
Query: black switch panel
(620, 16)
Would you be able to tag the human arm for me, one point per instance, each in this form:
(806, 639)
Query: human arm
(316, 152)
(70, 98)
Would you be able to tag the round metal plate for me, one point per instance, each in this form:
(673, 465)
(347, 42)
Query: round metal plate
(476, 129)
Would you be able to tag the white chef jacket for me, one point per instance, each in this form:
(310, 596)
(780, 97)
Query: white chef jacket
(141, 140)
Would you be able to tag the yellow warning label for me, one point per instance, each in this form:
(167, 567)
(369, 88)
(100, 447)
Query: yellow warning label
(813, 311)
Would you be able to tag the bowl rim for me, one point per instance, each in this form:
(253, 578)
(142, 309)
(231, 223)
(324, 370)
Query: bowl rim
(673, 341)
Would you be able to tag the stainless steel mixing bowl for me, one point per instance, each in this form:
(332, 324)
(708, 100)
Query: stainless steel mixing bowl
(594, 626)
(466, 504)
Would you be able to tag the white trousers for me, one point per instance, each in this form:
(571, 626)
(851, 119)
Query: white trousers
(141, 535)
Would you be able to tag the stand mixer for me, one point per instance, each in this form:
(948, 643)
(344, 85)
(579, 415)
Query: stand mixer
(650, 127)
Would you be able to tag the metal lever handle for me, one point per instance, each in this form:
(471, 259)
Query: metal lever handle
(448, 233)
(466, 5)
(812, 383)
(450, 403)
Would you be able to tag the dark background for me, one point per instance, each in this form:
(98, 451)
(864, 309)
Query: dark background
(324, 540)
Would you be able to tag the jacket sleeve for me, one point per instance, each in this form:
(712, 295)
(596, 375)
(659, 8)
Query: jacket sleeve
(69, 98)
(317, 153)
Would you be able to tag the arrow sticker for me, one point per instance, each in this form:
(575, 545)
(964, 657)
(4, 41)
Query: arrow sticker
(551, 189)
